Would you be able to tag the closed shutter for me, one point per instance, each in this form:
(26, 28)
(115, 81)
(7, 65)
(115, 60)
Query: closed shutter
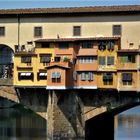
(90, 76)
(126, 76)
(83, 76)
(75, 75)
(53, 75)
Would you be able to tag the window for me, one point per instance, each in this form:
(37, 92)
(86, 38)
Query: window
(102, 45)
(90, 76)
(83, 76)
(101, 60)
(110, 60)
(107, 78)
(45, 45)
(75, 75)
(37, 31)
(2, 31)
(26, 59)
(87, 76)
(56, 76)
(116, 30)
(42, 76)
(127, 78)
(63, 46)
(110, 45)
(87, 44)
(45, 58)
(25, 76)
(86, 59)
(128, 58)
(76, 30)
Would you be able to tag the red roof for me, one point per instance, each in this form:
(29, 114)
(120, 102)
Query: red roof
(96, 9)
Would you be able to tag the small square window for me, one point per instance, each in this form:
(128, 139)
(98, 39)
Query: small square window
(2, 31)
(117, 29)
(37, 31)
(76, 30)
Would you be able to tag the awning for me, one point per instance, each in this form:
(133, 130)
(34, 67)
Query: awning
(25, 74)
(42, 74)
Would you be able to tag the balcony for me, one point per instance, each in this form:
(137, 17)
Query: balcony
(127, 66)
(87, 52)
(87, 67)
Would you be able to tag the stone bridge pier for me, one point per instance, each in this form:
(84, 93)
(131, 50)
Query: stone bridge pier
(75, 114)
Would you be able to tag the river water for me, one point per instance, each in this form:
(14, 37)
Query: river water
(127, 125)
(20, 123)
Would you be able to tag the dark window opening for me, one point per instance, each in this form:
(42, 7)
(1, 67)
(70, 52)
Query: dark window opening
(2, 31)
(63, 45)
(45, 45)
(25, 76)
(76, 30)
(117, 30)
(102, 45)
(26, 59)
(108, 79)
(57, 59)
(127, 78)
(42, 76)
(37, 31)
(87, 44)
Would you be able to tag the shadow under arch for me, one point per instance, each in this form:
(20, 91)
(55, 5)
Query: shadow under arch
(6, 62)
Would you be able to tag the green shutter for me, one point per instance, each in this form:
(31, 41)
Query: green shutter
(83, 76)
(90, 76)
(75, 75)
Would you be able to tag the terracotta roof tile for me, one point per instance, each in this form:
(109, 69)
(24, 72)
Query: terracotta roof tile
(96, 9)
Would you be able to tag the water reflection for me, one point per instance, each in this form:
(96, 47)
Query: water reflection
(128, 125)
(21, 124)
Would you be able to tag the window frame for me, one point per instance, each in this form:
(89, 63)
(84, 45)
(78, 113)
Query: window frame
(115, 31)
(38, 29)
(2, 33)
(77, 32)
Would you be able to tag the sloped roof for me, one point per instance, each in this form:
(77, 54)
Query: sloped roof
(70, 10)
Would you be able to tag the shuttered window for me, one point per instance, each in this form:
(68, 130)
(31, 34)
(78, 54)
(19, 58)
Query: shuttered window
(55, 75)
(75, 75)
(110, 60)
(127, 78)
(90, 76)
(83, 76)
(117, 30)
(128, 58)
(108, 78)
(76, 30)
(101, 60)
